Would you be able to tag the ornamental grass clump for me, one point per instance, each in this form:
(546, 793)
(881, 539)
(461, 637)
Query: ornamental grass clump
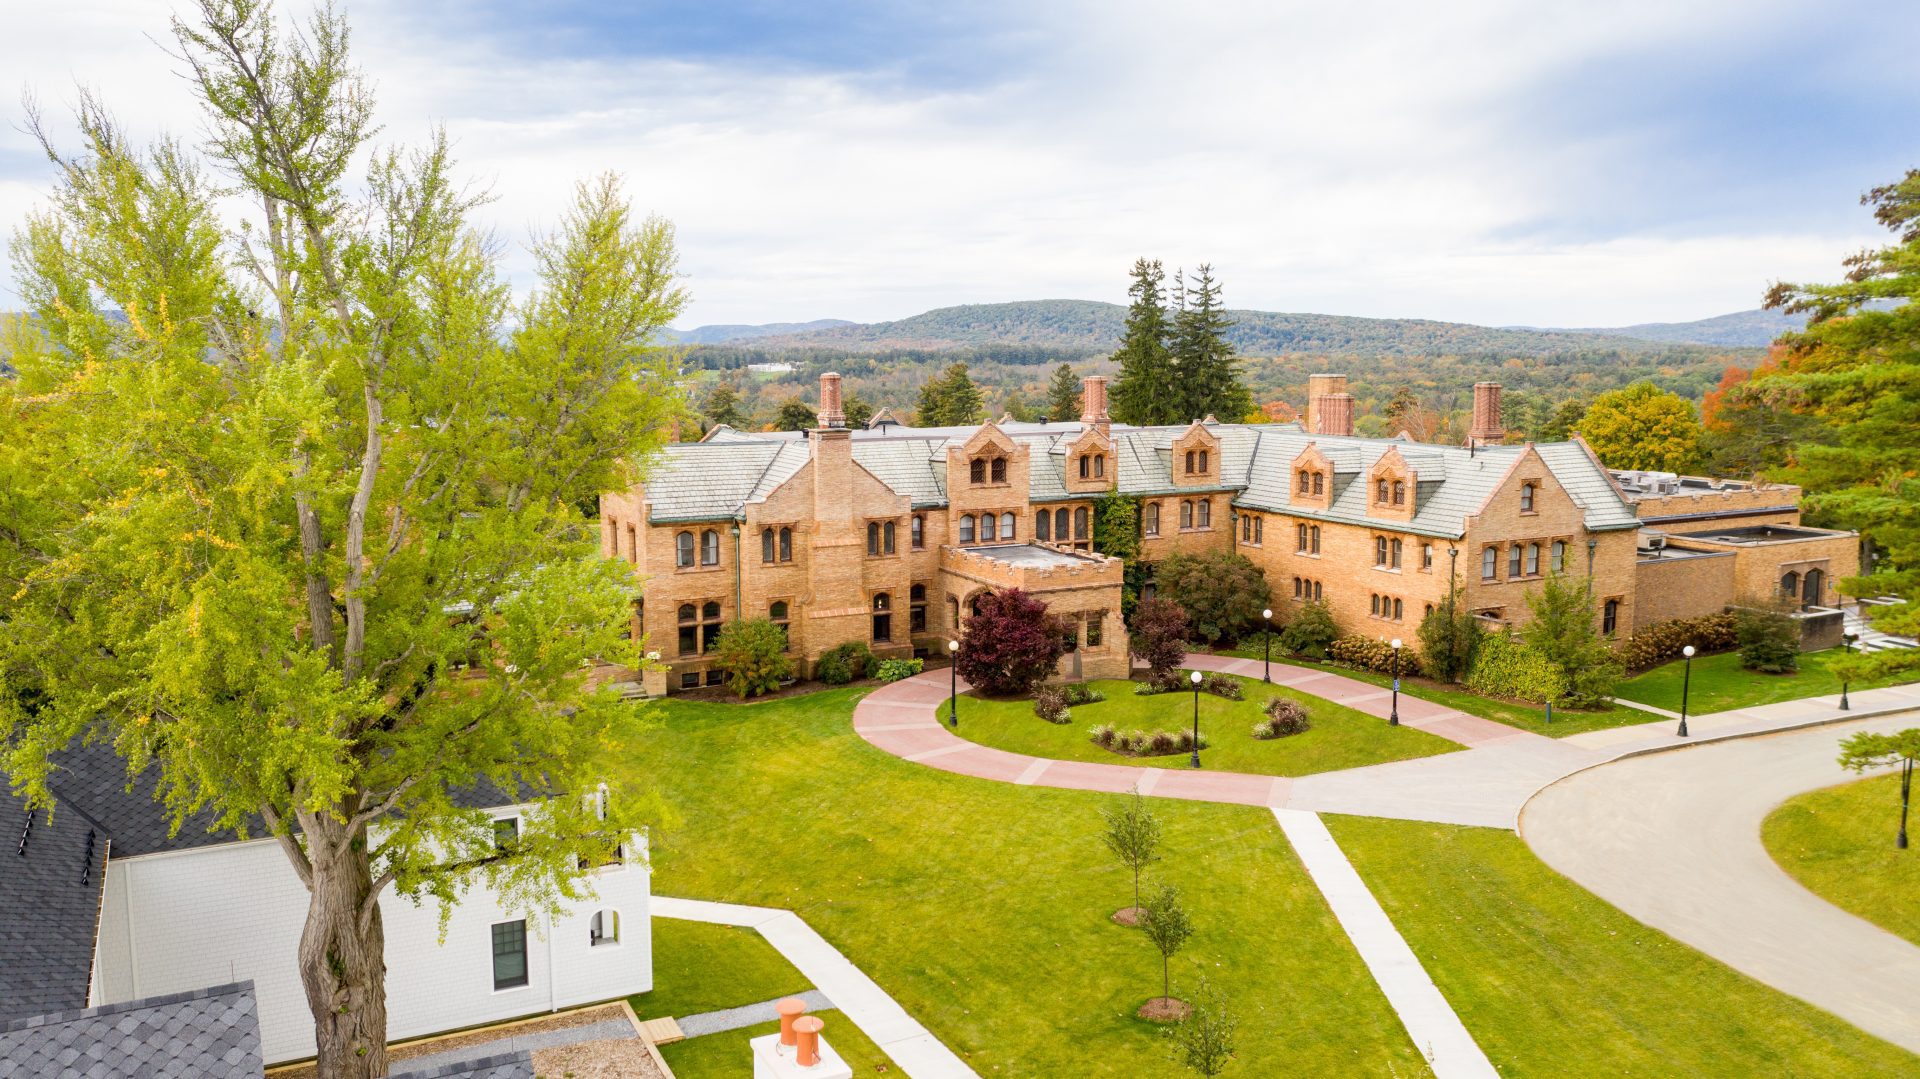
(1222, 685)
(1283, 717)
(1050, 704)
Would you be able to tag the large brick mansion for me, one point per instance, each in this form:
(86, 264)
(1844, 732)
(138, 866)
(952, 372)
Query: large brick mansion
(886, 534)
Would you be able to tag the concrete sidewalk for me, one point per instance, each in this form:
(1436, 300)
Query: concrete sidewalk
(864, 1003)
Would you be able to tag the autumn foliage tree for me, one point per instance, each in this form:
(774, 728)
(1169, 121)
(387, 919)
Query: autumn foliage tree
(1643, 427)
(1157, 636)
(1010, 644)
(292, 498)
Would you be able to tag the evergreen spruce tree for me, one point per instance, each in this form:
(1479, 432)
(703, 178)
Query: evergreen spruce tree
(1063, 395)
(1144, 394)
(933, 403)
(1208, 380)
(858, 410)
(961, 402)
(723, 406)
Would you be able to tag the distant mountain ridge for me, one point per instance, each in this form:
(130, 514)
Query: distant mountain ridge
(1091, 327)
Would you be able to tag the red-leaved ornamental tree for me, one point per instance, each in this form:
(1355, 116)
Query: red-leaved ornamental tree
(1158, 636)
(1010, 645)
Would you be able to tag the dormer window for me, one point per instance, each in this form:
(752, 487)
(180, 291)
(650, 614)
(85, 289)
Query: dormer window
(1380, 491)
(1196, 462)
(999, 470)
(1306, 481)
(977, 470)
(1319, 483)
(1399, 492)
(1093, 466)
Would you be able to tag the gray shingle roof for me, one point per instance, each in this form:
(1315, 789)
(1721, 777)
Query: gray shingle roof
(716, 478)
(211, 1033)
(50, 879)
(499, 1066)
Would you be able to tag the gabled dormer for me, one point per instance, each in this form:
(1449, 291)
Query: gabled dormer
(1090, 466)
(1393, 487)
(1196, 458)
(1312, 480)
(989, 460)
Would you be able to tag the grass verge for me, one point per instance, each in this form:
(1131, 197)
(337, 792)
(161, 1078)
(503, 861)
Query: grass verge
(1839, 843)
(1553, 981)
(1340, 737)
(1720, 684)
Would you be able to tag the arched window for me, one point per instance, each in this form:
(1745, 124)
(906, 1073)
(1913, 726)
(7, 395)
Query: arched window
(1314, 537)
(709, 548)
(1399, 492)
(1060, 525)
(966, 528)
(989, 527)
(1080, 523)
(1152, 525)
(1813, 586)
(605, 928)
(1203, 461)
(917, 532)
(709, 625)
(1489, 563)
(683, 550)
(977, 470)
(778, 614)
(1186, 513)
(882, 617)
(1526, 498)
(1559, 556)
(917, 609)
(1043, 525)
(953, 614)
(766, 545)
(1380, 491)
(1305, 481)
(1610, 617)
(1203, 513)
(1790, 584)
(1099, 465)
(1006, 526)
(1513, 561)
(1319, 483)
(889, 533)
(873, 538)
(689, 622)
(1300, 538)
(999, 470)
(1086, 466)
(1379, 550)
(1533, 560)
(786, 545)
(1189, 462)
(1393, 553)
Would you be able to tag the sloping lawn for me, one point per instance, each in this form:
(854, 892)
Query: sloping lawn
(699, 967)
(1839, 843)
(1552, 981)
(983, 907)
(1340, 737)
(1527, 717)
(1720, 684)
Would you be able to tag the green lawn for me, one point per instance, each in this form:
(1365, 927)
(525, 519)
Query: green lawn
(983, 907)
(1530, 717)
(1340, 737)
(725, 1055)
(1552, 981)
(1721, 684)
(1839, 843)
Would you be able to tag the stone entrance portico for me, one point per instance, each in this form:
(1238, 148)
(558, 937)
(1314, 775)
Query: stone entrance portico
(1079, 587)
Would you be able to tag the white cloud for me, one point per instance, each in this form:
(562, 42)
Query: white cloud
(1354, 159)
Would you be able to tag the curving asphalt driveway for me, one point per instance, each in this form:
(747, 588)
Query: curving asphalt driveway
(1673, 839)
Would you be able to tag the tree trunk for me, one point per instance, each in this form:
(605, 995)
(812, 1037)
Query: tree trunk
(343, 963)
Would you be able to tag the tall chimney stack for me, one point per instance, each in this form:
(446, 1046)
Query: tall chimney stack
(1329, 405)
(1093, 401)
(831, 414)
(1486, 414)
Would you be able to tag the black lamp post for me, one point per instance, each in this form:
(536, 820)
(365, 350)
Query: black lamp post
(1686, 684)
(1906, 793)
(1393, 713)
(1195, 679)
(1846, 641)
(953, 680)
(1266, 645)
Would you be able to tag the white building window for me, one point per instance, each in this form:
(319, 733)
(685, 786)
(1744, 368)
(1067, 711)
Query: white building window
(605, 928)
(509, 954)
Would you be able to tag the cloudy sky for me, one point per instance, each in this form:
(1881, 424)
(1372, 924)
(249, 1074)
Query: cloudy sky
(1479, 161)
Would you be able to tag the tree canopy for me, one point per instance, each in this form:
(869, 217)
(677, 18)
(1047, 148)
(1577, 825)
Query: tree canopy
(951, 400)
(1643, 427)
(1208, 377)
(293, 496)
(1145, 393)
(1063, 395)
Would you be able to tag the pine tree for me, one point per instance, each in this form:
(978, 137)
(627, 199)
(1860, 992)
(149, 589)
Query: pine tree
(1143, 395)
(1063, 395)
(960, 400)
(857, 409)
(1207, 378)
(933, 403)
(723, 406)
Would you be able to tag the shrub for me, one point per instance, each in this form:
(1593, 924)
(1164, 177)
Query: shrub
(1050, 704)
(844, 663)
(1102, 735)
(753, 654)
(1222, 593)
(1222, 685)
(893, 670)
(1664, 640)
(1769, 640)
(1369, 654)
(1143, 743)
(1082, 693)
(1564, 632)
(1449, 635)
(1311, 632)
(1505, 667)
(1160, 682)
(1011, 645)
(1158, 635)
(1283, 717)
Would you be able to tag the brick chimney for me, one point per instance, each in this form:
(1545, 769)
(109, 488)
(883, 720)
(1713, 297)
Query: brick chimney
(1093, 401)
(1486, 414)
(1329, 405)
(831, 414)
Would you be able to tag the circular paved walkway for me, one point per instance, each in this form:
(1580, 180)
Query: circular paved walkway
(1673, 839)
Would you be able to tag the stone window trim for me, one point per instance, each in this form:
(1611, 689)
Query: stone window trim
(1093, 466)
(776, 545)
(883, 537)
(1490, 562)
(1388, 553)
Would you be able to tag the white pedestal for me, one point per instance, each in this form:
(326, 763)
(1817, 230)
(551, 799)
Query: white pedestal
(770, 1063)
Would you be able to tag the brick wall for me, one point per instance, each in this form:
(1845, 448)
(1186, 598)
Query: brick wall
(1681, 587)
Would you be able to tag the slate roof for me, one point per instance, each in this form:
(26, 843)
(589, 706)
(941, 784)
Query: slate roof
(718, 478)
(51, 874)
(211, 1033)
(499, 1066)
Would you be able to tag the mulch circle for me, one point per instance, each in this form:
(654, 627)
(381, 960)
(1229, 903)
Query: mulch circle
(1165, 1010)
(1128, 916)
